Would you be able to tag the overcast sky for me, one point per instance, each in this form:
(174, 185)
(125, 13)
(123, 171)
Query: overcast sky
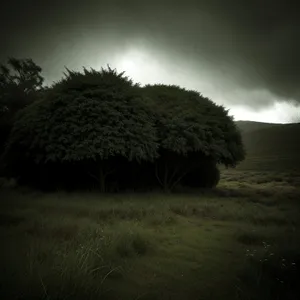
(243, 54)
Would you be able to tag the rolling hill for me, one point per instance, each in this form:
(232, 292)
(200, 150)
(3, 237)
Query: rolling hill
(271, 146)
(248, 126)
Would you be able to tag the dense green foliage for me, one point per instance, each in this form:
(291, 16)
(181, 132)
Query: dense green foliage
(85, 119)
(98, 127)
(195, 134)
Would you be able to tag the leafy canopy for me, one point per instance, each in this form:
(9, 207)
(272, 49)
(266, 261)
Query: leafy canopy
(188, 122)
(93, 115)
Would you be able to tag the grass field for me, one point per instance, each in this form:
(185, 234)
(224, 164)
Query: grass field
(239, 241)
(270, 147)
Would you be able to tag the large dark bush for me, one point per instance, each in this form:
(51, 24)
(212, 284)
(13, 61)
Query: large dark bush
(86, 122)
(99, 129)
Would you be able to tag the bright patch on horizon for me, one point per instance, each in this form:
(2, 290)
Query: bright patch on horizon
(141, 66)
(135, 63)
(278, 113)
(145, 67)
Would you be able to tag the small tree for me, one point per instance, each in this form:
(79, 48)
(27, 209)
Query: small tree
(20, 79)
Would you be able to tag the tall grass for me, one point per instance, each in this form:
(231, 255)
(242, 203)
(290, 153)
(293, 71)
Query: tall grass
(222, 244)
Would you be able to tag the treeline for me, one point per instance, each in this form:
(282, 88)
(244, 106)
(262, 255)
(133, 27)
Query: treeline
(99, 129)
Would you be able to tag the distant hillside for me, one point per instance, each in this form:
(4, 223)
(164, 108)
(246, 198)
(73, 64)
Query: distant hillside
(246, 126)
(271, 146)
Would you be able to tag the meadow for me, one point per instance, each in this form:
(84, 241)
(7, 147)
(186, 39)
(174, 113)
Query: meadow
(238, 241)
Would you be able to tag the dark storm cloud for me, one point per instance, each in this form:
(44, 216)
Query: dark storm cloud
(246, 45)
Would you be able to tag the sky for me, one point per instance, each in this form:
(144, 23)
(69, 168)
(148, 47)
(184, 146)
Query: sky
(244, 55)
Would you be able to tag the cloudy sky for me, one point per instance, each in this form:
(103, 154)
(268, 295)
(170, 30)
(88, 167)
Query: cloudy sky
(243, 54)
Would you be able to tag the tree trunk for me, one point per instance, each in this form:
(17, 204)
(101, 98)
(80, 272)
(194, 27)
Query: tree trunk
(102, 178)
(166, 179)
(170, 177)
